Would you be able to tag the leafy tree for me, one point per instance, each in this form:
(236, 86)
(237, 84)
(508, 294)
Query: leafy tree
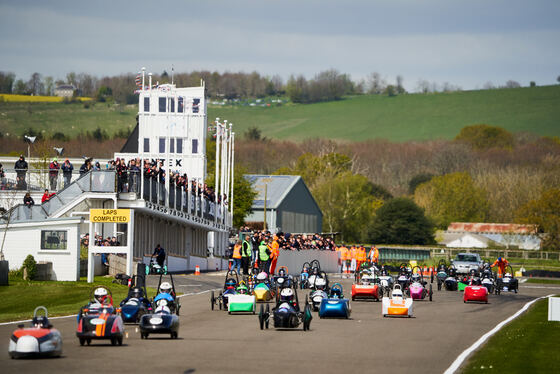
(103, 93)
(401, 221)
(6, 82)
(348, 204)
(30, 266)
(253, 133)
(20, 88)
(391, 90)
(485, 136)
(348, 200)
(35, 84)
(417, 180)
(544, 212)
(452, 197)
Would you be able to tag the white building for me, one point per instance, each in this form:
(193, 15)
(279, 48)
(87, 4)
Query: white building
(193, 229)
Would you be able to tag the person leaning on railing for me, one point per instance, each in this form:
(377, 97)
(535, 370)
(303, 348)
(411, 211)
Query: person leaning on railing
(28, 200)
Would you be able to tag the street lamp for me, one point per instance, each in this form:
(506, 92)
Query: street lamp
(265, 182)
(30, 140)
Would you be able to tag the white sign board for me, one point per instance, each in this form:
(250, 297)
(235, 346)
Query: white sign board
(554, 308)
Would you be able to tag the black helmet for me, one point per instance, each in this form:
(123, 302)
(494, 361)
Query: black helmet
(136, 292)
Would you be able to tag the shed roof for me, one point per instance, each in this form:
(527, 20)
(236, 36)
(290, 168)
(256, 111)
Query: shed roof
(278, 186)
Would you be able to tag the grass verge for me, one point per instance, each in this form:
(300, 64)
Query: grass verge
(526, 345)
(20, 298)
(543, 280)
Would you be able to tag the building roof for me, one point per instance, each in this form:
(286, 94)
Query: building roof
(502, 228)
(278, 186)
(449, 238)
(65, 87)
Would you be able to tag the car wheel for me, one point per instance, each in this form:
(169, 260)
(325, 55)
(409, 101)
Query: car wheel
(261, 317)
(88, 341)
(82, 341)
(119, 341)
(113, 341)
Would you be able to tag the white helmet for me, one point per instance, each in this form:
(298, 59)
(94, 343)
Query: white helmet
(161, 302)
(165, 287)
(261, 276)
(320, 283)
(286, 294)
(163, 309)
(100, 294)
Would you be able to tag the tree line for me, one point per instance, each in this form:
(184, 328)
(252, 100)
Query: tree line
(325, 86)
(485, 174)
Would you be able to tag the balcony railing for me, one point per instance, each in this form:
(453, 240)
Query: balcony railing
(71, 186)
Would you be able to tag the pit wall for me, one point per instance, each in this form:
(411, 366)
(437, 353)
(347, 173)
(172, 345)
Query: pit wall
(182, 264)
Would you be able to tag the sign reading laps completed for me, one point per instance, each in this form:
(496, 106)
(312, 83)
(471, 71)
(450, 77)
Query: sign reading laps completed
(109, 215)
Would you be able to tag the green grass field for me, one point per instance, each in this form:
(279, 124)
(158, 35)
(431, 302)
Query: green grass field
(529, 344)
(20, 298)
(400, 118)
(406, 117)
(69, 119)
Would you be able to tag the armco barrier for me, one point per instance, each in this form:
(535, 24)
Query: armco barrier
(294, 260)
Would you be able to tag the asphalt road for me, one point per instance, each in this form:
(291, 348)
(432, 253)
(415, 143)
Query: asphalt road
(215, 342)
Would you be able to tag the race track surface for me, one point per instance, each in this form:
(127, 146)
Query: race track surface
(215, 342)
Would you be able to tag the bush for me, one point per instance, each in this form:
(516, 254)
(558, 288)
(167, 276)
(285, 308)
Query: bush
(30, 267)
(16, 274)
(401, 221)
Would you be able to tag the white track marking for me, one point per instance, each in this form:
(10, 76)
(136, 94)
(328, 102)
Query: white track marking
(198, 293)
(463, 356)
(28, 320)
(74, 315)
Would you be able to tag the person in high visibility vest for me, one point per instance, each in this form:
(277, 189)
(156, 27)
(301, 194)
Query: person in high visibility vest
(264, 257)
(353, 258)
(374, 255)
(361, 257)
(245, 256)
(343, 257)
(237, 256)
(501, 263)
(274, 253)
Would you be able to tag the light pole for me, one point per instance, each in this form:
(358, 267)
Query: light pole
(30, 140)
(265, 182)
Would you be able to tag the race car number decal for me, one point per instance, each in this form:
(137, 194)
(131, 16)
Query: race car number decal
(156, 321)
(97, 321)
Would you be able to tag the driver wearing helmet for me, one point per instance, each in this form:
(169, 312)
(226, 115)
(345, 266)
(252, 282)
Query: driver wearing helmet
(501, 263)
(415, 277)
(287, 297)
(101, 296)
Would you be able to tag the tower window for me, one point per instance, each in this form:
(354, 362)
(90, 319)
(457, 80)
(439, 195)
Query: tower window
(180, 105)
(161, 145)
(162, 101)
(195, 146)
(147, 104)
(172, 105)
(195, 105)
(146, 145)
(179, 145)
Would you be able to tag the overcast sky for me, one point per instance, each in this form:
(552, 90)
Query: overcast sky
(465, 43)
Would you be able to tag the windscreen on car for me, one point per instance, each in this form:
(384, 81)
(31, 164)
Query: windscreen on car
(467, 258)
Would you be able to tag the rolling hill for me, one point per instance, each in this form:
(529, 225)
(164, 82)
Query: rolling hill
(400, 118)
